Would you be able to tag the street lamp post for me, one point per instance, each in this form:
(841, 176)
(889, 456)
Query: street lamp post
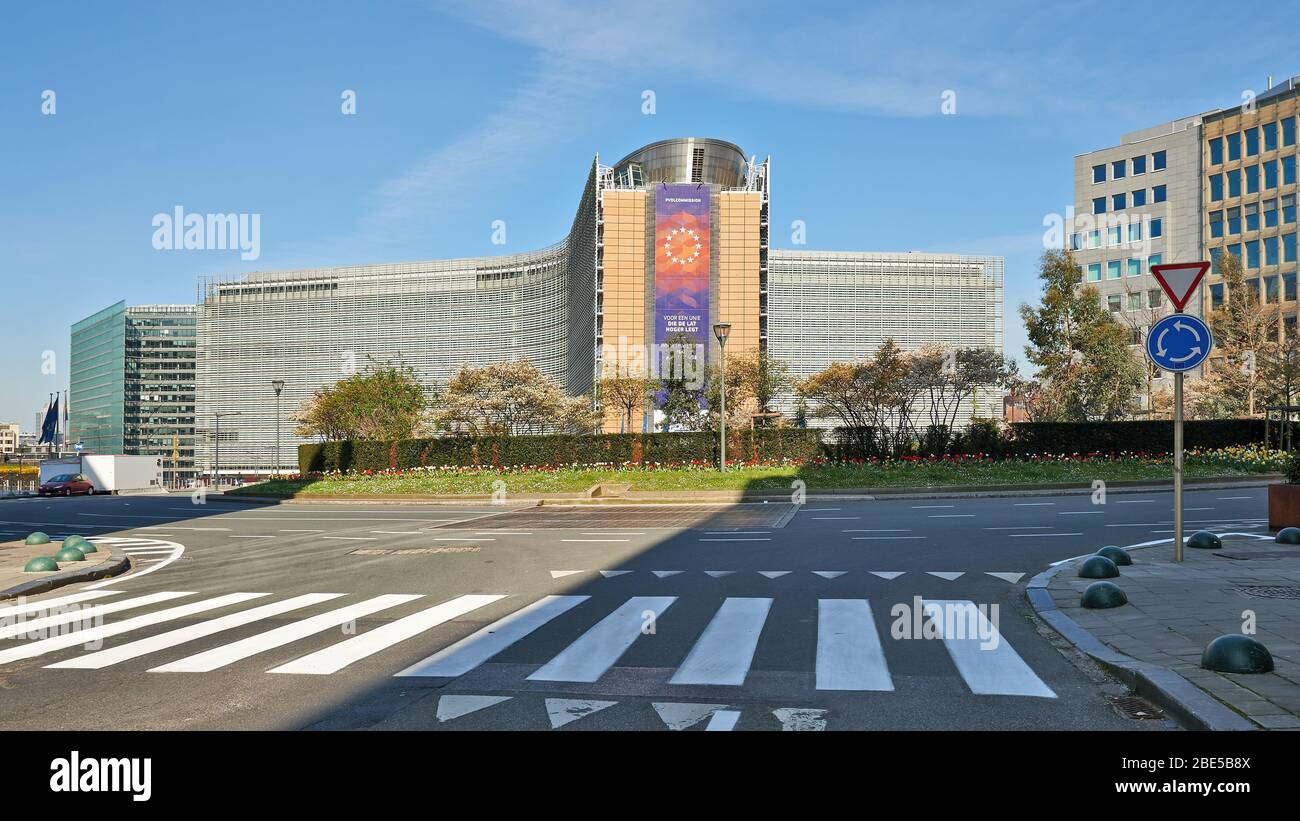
(721, 331)
(216, 470)
(278, 385)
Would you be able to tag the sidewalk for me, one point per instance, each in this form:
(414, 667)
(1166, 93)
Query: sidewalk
(1175, 610)
(15, 554)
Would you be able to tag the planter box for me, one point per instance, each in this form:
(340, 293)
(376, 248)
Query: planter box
(1283, 506)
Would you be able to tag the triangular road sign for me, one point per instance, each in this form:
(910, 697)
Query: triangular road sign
(1179, 280)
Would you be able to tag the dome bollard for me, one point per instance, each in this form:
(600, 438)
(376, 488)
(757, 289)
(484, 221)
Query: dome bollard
(1116, 554)
(40, 564)
(38, 538)
(1235, 653)
(1098, 567)
(1103, 596)
(69, 554)
(1288, 535)
(1204, 540)
(81, 543)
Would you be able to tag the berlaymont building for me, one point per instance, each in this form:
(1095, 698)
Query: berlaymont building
(665, 243)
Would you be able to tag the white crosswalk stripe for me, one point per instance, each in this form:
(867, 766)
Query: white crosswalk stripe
(280, 636)
(850, 654)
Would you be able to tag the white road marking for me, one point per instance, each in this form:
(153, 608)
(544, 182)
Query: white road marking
(1034, 504)
(459, 658)
(946, 575)
(559, 574)
(351, 538)
(987, 670)
(450, 707)
(883, 538)
(337, 656)
(600, 541)
(887, 575)
(88, 615)
(250, 537)
(725, 649)
(504, 533)
(1080, 513)
(849, 655)
(800, 718)
(723, 721)
(833, 518)
(1232, 498)
(951, 516)
(562, 711)
(93, 634)
(680, 715)
(145, 551)
(152, 644)
(302, 531)
(617, 533)
(49, 604)
(717, 574)
(1021, 527)
(280, 636)
(1135, 501)
(1038, 535)
(1009, 577)
(663, 574)
(400, 532)
(773, 574)
(745, 539)
(829, 574)
(598, 649)
(609, 574)
(930, 507)
(879, 530)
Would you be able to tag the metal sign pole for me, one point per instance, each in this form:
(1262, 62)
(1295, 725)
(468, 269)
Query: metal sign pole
(1178, 466)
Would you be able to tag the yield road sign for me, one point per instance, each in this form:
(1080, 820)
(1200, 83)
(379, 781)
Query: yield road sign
(1179, 342)
(1179, 280)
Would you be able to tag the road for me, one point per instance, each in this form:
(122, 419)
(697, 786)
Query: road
(450, 617)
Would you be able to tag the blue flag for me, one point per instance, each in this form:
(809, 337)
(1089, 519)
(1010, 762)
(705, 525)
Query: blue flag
(51, 424)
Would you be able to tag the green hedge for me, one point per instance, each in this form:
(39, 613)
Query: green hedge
(557, 450)
(1156, 435)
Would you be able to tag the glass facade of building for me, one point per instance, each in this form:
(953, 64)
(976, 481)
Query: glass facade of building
(132, 384)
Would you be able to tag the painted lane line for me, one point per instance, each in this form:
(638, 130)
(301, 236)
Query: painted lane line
(597, 650)
(1232, 498)
(1135, 501)
(951, 516)
(504, 533)
(50, 604)
(884, 538)
(745, 539)
(1021, 527)
(337, 656)
(1190, 509)
(280, 636)
(1036, 535)
(459, 658)
(723, 721)
(616, 533)
(1080, 513)
(988, 666)
(833, 518)
(879, 530)
(95, 634)
(725, 649)
(302, 531)
(146, 551)
(597, 541)
(460, 539)
(84, 614)
(400, 532)
(930, 507)
(351, 538)
(177, 551)
(163, 641)
(849, 655)
(1035, 504)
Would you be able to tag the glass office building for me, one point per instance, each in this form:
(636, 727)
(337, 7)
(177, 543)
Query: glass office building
(132, 380)
(665, 242)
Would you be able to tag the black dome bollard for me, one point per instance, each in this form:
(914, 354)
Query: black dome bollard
(1204, 540)
(1116, 554)
(1235, 653)
(1098, 567)
(1102, 596)
(1288, 535)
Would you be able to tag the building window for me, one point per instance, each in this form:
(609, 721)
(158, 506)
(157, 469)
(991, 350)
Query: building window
(1288, 327)
(1154, 259)
(1099, 205)
(1155, 298)
(1135, 232)
(1288, 209)
(1270, 251)
(1235, 250)
(1215, 253)
(1158, 161)
(1112, 269)
(1098, 173)
(1288, 248)
(1252, 216)
(1252, 253)
(1135, 301)
(1112, 236)
(1288, 170)
(1216, 151)
(1234, 147)
(1094, 239)
(1119, 169)
(1270, 213)
(1234, 183)
(1288, 286)
(1270, 174)
(1140, 165)
(1113, 302)
(1158, 193)
(1135, 267)
(1252, 142)
(1288, 131)
(1216, 224)
(1139, 197)
(1270, 136)
(1216, 295)
(1118, 202)
(1252, 179)
(1216, 188)
(1157, 228)
(1094, 272)
(1234, 220)
(1253, 285)
(1075, 240)
(1270, 290)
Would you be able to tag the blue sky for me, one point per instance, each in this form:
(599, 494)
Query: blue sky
(480, 111)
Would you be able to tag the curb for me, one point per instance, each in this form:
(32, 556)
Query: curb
(1188, 704)
(740, 496)
(118, 563)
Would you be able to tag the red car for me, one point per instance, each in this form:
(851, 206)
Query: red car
(66, 484)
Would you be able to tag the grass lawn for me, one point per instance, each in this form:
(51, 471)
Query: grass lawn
(1226, 464)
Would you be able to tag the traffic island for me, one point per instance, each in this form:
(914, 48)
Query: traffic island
(22, 573)
(1217, 607)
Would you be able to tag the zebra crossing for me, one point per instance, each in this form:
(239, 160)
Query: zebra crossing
(851, 650)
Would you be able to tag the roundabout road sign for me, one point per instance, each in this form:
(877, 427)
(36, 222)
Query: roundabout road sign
(1179, 342)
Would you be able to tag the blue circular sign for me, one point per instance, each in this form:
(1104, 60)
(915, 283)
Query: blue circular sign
(1179, 342)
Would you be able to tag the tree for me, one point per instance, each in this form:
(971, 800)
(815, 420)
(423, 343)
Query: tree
(1084, 364)
(383, 402)
(627, 394)
(945, 378)
(1244, 332)
(512, 398)
(684, 380)
(762, 378)
(869, 398)
(1138, 321)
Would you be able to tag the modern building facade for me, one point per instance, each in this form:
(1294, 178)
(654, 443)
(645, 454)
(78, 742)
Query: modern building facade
(132, 384)
(10, 434)
(1221, 181)
(667, 242)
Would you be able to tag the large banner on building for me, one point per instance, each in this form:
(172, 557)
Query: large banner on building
(682, 263)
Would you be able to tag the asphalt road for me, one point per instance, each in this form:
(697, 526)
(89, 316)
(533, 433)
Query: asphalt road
(454, 617)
